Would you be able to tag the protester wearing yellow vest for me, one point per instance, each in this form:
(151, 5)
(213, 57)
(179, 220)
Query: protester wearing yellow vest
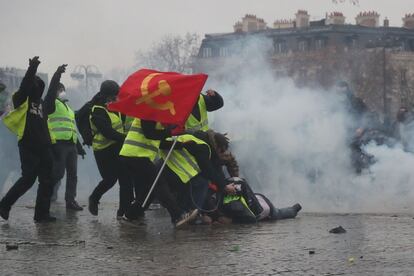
(108, 130)
(66, 147)
(189, 170)
(198, 119)
(28, 121)
(138, 154)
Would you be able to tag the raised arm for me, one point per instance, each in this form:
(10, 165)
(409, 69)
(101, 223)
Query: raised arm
(50, 99)
(21, 95)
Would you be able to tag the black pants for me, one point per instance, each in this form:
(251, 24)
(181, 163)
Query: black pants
(111, 171)
(143, 173)
(65, 158)
(35, 163)
(191, 195)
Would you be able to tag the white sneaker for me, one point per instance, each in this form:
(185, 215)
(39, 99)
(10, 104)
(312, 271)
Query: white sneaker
(186, 217)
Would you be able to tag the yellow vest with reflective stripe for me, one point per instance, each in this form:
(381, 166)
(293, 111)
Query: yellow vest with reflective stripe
(15, 121)
(183, 163)
(230, 198)
(62, 124)
(128, 123)
(137, 145)
(99, 141)
(192, 123)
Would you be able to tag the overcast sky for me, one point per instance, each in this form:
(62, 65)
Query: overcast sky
(108, 32)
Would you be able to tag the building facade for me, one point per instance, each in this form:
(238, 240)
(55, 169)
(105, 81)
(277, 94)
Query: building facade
(377, 61)
(12, 77)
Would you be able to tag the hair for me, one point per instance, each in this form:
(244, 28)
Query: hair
(61, 86)
(221, 140)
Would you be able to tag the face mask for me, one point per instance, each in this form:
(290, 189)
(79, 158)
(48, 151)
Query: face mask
(62, 95)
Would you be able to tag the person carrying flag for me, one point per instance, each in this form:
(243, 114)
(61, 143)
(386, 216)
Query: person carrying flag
(198, 119)
(155, 99)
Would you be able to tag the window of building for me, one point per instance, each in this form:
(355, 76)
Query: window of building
(280, 47)
(403, 76)
(224, 52)
(302, 45)
(320, 43)
(207, 52)
(351, 42)
(410, 45)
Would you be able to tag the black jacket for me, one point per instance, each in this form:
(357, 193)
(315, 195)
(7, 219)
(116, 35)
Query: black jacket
(102, 122)
(36, 133)
(212, 103)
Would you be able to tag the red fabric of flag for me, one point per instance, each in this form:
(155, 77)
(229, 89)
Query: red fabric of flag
(165, 97)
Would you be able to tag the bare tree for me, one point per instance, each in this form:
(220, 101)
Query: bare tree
(171, 53)
(353, 2)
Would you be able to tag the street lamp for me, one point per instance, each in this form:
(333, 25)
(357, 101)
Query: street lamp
(86, 72)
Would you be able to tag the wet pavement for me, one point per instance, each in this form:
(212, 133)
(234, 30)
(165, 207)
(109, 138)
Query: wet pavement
(80, 244)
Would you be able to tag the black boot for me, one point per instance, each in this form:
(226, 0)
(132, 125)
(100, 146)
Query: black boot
(44, 218)
(4, 213)
(93, 206)
(73, 205)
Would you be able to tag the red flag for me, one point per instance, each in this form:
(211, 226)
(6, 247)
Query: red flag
(165, 97)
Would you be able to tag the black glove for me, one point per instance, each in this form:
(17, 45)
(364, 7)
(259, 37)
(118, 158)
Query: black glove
(34, 61)
(61, 69)
(82, 152)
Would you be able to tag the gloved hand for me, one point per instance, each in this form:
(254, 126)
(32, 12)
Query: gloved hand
(61, 69)
(211, 92)
(82, 152)
(34, 61)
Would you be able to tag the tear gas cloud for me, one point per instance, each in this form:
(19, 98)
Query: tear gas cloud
(292, 144)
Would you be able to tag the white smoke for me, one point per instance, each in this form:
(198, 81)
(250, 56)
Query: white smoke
(293, 145)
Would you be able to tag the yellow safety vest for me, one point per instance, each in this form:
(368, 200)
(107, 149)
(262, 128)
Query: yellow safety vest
(230, 198)
(192, 123)
(137, 145)
(128, 123)
(62, 124)
(183, 163)
(99, 141)
(15, 121)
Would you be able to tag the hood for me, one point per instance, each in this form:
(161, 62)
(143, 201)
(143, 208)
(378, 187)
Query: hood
(109, 88)
(38, 86)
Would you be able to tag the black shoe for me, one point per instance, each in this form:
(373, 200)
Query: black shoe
(297, 207)
(93, 206)
(4, 213)
(135, 211)
(43, 219)
(73, 205)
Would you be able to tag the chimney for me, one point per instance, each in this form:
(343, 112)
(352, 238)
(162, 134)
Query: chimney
(302, 19)
(368, 19)
(251, 23)
(386, 22)
(408, 21)
(238, 27)
(335, 18)
(283, 24)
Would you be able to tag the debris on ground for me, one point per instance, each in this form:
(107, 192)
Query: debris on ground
(235, 248)
(12, 246)
(311, 252)
(337, 230)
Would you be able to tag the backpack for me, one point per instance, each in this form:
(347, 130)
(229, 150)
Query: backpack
(82, 122)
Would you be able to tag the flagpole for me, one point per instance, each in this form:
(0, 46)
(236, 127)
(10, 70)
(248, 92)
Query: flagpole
(159, 173)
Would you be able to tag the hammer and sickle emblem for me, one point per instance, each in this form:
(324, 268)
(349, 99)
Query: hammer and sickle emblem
(148, 98)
